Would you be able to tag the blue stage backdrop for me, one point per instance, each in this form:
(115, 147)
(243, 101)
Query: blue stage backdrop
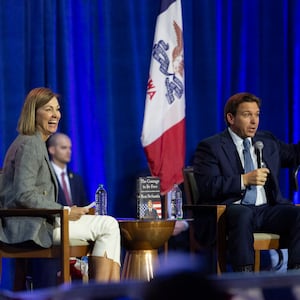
(96, 54)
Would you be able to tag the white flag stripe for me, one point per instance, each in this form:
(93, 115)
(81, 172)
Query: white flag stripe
(160, 115)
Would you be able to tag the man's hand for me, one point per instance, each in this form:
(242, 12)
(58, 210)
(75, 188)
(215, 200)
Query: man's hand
(77, 212)
(256, 177)
(180, 226)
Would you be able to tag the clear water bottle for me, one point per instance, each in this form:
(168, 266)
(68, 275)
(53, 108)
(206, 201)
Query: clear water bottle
(173, 208)
(101, 200)
(176, 202)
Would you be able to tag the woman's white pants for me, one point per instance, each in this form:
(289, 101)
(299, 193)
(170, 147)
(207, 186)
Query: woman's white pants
(103, 230)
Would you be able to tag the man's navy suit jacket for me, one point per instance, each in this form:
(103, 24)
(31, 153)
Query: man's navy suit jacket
(218, 168)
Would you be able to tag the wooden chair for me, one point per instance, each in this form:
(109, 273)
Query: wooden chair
(64, 250)
(262, 241)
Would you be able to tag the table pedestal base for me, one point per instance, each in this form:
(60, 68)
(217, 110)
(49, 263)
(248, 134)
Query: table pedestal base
(139, 264)
(142, 239)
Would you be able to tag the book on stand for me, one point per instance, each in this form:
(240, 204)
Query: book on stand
(148, 198)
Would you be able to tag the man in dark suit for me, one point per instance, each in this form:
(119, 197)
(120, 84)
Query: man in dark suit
(220, 172)
(60, 150)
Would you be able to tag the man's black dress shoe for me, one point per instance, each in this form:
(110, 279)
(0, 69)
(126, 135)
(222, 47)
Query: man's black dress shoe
(247, 268)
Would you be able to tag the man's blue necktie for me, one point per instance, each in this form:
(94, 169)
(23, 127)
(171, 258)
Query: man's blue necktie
(250, 195)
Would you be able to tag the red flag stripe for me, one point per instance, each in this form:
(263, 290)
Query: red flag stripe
(166, 156)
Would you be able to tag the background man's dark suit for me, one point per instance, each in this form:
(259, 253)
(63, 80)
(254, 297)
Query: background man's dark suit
(77, 191)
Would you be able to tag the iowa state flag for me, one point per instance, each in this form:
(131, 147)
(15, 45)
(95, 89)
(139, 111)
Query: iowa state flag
(163, 133)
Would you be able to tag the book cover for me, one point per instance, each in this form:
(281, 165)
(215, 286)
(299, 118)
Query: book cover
(148, 198)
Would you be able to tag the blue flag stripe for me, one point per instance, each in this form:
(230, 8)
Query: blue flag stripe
(165, 5)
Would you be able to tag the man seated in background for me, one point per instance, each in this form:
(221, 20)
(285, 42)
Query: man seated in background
(71, 187)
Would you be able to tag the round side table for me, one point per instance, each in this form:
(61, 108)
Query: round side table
(141, 239)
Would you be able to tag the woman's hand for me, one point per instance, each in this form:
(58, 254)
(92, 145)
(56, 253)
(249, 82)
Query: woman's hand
(76, 212)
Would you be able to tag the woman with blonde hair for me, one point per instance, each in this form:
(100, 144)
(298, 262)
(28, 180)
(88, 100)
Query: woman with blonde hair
(28, 181)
